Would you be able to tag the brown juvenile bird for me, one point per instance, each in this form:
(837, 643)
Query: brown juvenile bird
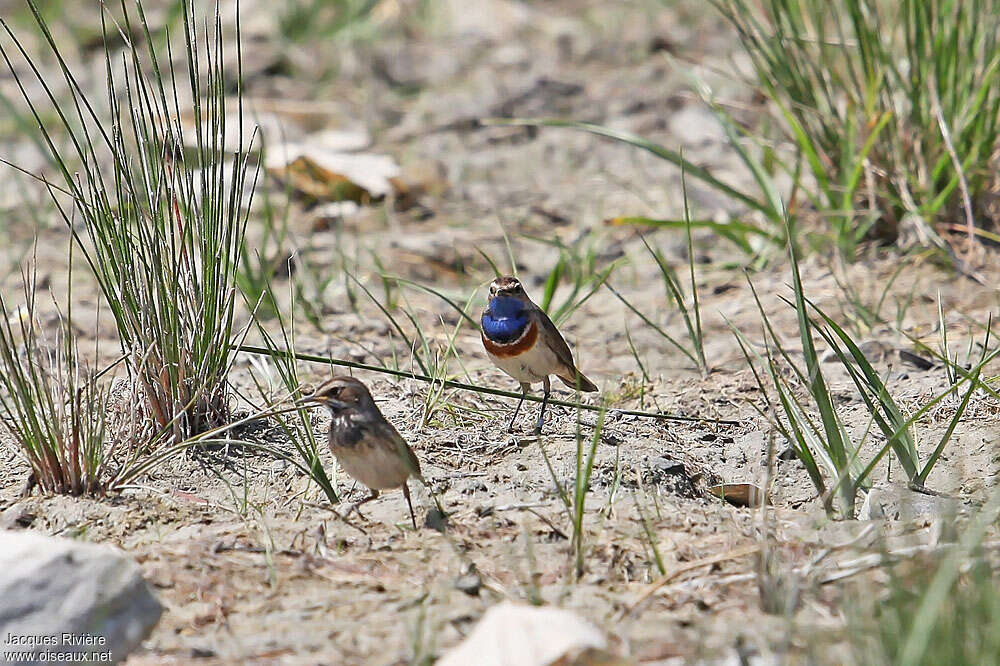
(365, 444)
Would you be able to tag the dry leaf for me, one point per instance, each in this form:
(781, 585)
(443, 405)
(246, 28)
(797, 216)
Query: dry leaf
(738, 494)
(324, 175)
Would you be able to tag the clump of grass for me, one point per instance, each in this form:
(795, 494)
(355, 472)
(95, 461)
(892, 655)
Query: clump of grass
(435, 359)
(312, 281)
(893, 107)
(834, 460)
(423, 634)
(693, 352)
(159, 206)
(52, 405)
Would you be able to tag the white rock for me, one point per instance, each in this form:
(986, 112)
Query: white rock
(520, 635)
(897, 502)
(64, 596)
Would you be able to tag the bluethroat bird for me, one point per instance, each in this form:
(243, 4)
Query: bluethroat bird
(522, 341)
(365, 444)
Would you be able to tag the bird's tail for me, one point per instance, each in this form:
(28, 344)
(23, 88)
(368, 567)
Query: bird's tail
(578, 380)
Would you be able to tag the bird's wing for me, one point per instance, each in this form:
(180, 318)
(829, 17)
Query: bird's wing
(403, 449)
(552, 336)
(571, 376)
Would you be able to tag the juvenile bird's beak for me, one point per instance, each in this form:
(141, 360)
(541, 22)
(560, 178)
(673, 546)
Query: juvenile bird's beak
(324, 400)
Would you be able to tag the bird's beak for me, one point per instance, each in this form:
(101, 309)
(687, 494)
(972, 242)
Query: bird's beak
(323, 400)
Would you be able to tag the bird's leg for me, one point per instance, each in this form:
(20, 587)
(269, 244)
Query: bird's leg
(406, 494)
(29, 484)
(340, 516)
(524, 391)
(545, 400)
(356, 507)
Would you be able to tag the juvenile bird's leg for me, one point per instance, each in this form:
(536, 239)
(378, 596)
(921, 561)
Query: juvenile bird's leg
(356, 507)
(545, 400)
(29, 484)
(406, 494)
(525, 387)
(341, 517)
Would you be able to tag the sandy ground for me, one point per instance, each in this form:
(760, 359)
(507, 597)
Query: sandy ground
(241, 549)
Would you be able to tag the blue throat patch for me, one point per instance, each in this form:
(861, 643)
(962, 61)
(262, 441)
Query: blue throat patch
(505, 319)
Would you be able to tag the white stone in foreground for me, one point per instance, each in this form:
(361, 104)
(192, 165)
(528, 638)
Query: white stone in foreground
(520, 635)
(69, 601)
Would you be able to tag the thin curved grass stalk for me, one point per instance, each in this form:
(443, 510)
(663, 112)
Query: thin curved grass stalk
(477, 389)
(649, 533)
(462, 312)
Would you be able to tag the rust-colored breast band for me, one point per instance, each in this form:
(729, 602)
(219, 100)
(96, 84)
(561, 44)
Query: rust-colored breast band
(515, 348)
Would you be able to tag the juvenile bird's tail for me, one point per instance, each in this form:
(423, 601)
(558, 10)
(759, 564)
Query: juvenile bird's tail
(572, 381)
